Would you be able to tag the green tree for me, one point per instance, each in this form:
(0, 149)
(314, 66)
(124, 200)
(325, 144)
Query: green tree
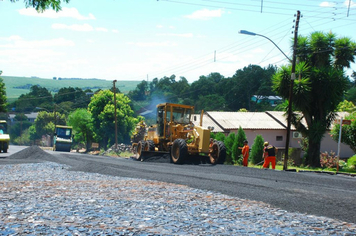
(3, 98)
(257, 150)
(20, 126)
(220, 137)
(351, 95)
(246, 82)
(229, 142)
(239, 142)
(319, 88)
(41, 5)
(102, 110)
(346, 106)
(37, 97)
(348, 132)
(140, 92)
(45, 123)
(81, 121)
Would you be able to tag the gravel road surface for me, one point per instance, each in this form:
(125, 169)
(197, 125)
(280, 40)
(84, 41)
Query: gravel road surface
(68, 196)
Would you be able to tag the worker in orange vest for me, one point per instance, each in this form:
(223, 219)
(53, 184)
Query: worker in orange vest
(269, 154)
(245, 153)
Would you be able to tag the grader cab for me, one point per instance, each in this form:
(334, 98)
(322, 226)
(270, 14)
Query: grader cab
(175, 133)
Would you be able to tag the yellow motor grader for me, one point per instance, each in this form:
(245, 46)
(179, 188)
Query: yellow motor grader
(175, 133)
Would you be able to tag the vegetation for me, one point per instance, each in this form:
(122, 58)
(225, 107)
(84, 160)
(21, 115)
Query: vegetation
(351, 162)
(41, 5)
(239, 142)
(257, 150)
(229, 142)
(319, 88)
(102, 110)
(15, 86)
(348, 132)
(81, 121)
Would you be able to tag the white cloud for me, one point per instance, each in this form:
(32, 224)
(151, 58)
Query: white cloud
(327, 4)
(153, 44)
(159, 26)
(17, 42)
(205, 14)
(83, 28)
(75, 27)
(101, 29)
(65, 12)
(258, 50)
(347, 3)
(115, 31)
(187, 35)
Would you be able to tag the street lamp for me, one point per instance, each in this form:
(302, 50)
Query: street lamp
(285, 164)
(254, 34)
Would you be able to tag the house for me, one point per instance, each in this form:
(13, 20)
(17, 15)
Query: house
(30, 117)
(272, 100)
(272, 125)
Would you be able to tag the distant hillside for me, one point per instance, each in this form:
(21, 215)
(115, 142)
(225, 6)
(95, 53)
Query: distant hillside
(15, 86)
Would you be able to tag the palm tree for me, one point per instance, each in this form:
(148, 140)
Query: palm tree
(319, 87)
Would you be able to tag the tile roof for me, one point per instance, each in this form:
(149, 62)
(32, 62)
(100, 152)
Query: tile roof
(247, 120)
(207, 121)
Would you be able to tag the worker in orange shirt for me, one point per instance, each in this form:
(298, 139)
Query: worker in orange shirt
(269, 154)
(245, 153)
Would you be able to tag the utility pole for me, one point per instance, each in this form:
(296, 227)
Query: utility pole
(285, 164)
(115, 114)
(55, 124)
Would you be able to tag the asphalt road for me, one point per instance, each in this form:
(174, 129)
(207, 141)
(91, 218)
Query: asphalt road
(317, 194)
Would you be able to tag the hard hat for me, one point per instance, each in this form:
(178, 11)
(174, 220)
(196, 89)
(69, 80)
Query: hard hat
(266, 144)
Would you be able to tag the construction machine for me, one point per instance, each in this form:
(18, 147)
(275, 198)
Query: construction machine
(62, 140)
(4, 136)
(174, 133)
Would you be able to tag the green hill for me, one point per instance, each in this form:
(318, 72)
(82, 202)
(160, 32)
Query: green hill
(15, 86)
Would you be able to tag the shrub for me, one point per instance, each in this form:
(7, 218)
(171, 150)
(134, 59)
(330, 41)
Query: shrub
(239, 142)
(229, 142)
(257, 150)
(328, 160)
(351, 162)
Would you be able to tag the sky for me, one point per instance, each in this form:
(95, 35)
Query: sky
(145, 39)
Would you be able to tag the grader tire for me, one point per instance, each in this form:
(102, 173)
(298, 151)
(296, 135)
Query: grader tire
(218, 153)
(140, 148)
(150, 145)
(179, 151)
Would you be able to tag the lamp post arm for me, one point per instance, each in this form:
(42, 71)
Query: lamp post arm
(276, 46)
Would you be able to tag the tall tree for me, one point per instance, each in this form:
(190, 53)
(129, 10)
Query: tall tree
(45, 124)
(37, 97)
(102, 110)
(246, 82)
(257, 150)
(41, 5)
(239, 142)
(3, 98)
(229, 142)
(319, 87)
(81, 121)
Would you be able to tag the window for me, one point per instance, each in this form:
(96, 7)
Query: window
(279, 138)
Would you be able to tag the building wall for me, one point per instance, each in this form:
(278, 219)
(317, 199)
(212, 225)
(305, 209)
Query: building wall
(327, 144)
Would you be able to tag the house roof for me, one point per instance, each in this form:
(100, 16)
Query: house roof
(207, 121)
(247, 120)
(268, 97)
